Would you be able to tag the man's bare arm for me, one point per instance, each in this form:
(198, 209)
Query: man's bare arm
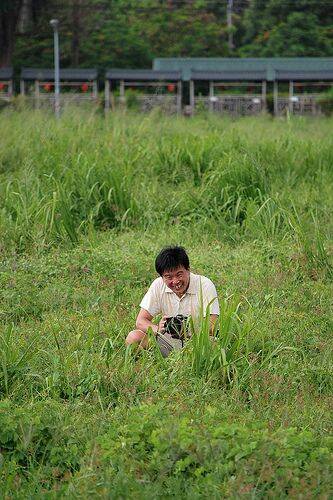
(144, 321)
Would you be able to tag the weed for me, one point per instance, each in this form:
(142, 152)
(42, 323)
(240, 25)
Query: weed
(14, 359)
(312, 243)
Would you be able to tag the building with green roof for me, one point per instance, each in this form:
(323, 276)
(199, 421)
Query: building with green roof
(296, 83)
(6, 84)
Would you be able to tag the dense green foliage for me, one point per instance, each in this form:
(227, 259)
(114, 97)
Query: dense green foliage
(127, 33)
(85, 205)
(288, 28)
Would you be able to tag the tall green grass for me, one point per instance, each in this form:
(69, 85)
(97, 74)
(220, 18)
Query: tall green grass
(312, 242)
(220, 352)
(85, 204)
(60, 180)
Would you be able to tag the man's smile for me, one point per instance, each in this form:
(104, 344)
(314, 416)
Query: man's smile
(178, 286)
(177, 280)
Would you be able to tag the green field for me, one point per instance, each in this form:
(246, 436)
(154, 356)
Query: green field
(86, 203)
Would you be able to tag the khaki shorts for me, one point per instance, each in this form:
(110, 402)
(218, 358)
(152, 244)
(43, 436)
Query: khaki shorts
(167, 343)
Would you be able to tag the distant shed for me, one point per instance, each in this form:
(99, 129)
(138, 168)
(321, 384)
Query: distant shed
(6, 84)
(305, 90)
(76, 85)
(232, 92)
(144, 89)
(296, 82)
(208, 64)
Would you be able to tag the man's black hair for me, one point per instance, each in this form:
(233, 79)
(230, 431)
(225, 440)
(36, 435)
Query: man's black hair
(171, 258)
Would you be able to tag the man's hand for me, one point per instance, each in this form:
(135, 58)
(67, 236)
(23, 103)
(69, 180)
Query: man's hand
(161, 324)
(213, 319)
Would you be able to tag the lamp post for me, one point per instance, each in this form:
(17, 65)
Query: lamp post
(55, 23)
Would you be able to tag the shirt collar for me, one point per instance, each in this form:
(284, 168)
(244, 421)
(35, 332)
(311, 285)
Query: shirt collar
(191, 287)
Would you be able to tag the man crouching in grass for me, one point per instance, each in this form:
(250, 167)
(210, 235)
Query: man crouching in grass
(177, 294)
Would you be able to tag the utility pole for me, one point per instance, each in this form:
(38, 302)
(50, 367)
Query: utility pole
(230, 5)
(55, 23)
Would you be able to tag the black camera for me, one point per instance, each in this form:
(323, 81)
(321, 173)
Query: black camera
(176, 326)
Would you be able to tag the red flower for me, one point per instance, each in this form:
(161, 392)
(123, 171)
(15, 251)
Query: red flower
(2, 86)
(171, 87)
(84, 87)
(47, 87)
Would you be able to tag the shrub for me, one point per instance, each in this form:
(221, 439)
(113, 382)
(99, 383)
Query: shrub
(207, 455)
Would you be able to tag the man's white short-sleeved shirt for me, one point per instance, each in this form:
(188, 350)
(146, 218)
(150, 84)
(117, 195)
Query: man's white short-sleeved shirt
(160, 299)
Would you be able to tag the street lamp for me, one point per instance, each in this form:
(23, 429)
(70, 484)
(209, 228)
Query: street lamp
(55, 23)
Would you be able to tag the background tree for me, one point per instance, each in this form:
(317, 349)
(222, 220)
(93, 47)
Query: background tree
(288, 28)
(9, 15)
(124, 33)
(128, 33)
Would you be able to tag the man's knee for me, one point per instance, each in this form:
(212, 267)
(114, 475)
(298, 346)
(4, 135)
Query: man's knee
(135, 336)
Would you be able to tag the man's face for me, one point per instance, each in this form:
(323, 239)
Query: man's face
(177, 279)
